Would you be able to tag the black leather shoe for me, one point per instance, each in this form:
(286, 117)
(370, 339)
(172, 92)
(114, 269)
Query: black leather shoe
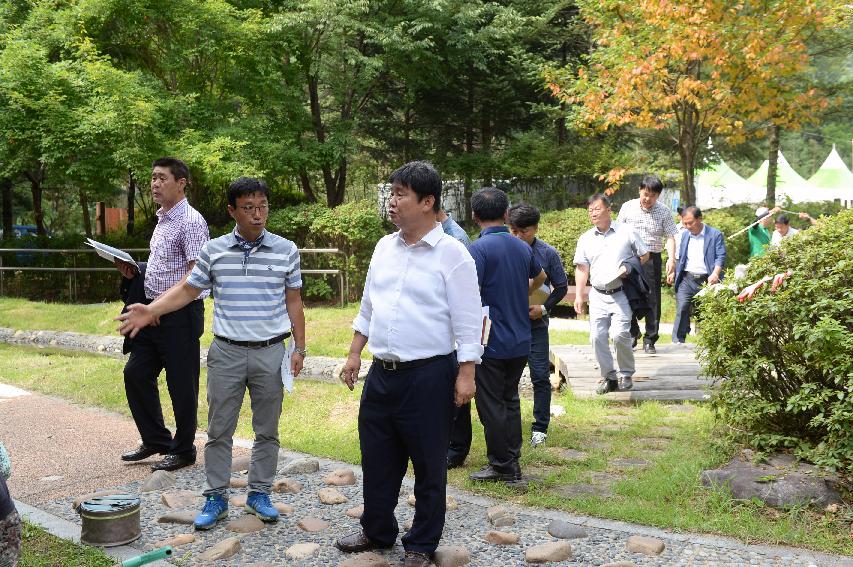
(650, 349)
(417, 559)
(454, 463)
(607, 386)
(173, 462)
(487, 473)
(142, 452)
(358, 542)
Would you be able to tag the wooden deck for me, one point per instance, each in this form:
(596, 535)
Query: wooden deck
(673, 374)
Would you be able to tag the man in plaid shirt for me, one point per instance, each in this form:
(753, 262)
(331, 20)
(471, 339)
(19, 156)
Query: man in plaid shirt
(653, 221)
(173, 343)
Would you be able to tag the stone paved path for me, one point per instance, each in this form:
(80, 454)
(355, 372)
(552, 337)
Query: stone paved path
(42, 431)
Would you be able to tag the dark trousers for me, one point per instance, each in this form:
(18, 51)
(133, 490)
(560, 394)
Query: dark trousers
(540, 375)
(460, 434)
(406, 414)
(652, 272)
(687, 290)
(173, 345)
(499, 409)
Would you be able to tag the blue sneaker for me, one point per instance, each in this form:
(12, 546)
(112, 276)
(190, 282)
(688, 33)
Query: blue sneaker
(215, 508)
(259, 504)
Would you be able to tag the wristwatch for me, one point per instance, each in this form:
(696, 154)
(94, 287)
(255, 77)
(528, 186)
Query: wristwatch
(544, 311)
(302, 351)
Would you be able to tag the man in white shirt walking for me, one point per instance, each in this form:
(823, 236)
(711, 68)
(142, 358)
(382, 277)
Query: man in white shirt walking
(600, 256)
(421, 318)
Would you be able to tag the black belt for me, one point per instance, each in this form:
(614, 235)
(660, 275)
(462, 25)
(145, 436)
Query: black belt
(409, 364)
(255, 344)
(697, 277)
(609, 291)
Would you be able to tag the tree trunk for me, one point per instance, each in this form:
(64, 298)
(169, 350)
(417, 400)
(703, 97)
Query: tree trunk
(469, 146)
(337, 197)
(131, 201)
(305, 182)
(6, 189)
(687, 158)
(486, 141)
(87, 218)
(36, 179)
(772, 161)
(320, 133)
(561, 121)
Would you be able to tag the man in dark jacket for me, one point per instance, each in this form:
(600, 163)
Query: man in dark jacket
(701, 257)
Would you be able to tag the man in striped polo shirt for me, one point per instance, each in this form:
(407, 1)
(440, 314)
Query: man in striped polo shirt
(256, 282)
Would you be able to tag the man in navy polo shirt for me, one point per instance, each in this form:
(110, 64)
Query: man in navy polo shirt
(505, 268)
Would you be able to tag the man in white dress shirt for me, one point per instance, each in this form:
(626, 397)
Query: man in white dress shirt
(421, 319)
(600, 258)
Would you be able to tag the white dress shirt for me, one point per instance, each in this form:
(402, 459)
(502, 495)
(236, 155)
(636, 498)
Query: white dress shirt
(696, 252)
(421, 300)
(605, 252)
(776, 237)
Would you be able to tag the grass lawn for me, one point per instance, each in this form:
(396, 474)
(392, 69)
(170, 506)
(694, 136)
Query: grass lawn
(41, 549)
(676, 441)
(329, 329)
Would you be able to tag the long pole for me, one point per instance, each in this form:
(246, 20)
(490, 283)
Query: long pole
(741, 231)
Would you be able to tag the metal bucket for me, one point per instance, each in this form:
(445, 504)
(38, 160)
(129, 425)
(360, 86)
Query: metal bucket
(110, 520)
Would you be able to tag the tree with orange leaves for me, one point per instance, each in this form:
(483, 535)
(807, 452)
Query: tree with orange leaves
(691, 69)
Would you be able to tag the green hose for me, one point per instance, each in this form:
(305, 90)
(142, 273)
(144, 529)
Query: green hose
(149, 557)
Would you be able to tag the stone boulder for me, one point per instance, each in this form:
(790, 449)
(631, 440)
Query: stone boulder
(340, 477)
(331, 496)
(299, 551)
(287, 485)
(451, 556)
(186, 517)
(496, 537)
(222, 550)
(781, 482)
(645, 545)
(301, 466)
(551, 552)
(159, 480)
(566, 530)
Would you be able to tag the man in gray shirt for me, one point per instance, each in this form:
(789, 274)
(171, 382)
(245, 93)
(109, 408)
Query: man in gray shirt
(599, 259)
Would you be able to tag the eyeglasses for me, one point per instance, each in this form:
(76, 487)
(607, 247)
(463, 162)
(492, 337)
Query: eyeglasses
(250, 209)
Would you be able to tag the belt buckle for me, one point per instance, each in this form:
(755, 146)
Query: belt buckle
(389, 364)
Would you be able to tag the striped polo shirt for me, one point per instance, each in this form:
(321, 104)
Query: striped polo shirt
(248, 297)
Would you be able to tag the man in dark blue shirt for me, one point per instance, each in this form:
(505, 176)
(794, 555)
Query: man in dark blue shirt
(505, 268)
(524, 223)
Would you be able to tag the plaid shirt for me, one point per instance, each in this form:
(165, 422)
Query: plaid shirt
(652, 225)
(177, 240)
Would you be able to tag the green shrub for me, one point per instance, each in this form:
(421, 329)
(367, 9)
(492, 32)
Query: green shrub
(729, 220)
(786, 358)
(353, 228)
(561, 229)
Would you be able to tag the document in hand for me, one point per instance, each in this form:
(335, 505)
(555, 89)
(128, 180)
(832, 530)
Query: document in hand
(487, 326)
(539, 295)
(109, 253)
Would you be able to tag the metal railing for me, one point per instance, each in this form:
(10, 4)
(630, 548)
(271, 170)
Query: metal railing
(74, 270)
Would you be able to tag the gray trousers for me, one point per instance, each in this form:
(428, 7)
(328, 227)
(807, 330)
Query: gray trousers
(610, 316)
(230, 370)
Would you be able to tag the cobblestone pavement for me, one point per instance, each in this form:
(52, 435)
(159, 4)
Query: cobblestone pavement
(466, 526)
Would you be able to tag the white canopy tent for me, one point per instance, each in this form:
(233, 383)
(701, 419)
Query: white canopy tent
(789, 183)
(720, 186)
(834, 180)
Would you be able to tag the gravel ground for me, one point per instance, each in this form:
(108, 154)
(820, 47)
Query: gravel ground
(466, 526)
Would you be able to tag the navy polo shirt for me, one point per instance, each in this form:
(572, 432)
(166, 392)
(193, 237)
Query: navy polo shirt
(504, 266)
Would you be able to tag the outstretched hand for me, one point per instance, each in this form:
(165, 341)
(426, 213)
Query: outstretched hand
(137, 317)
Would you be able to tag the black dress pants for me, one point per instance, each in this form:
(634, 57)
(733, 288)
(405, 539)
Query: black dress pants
(173, 345)
(499, 409)
(406, 414)
(652, 272)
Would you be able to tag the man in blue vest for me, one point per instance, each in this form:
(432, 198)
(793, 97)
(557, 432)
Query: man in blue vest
(701, 258)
